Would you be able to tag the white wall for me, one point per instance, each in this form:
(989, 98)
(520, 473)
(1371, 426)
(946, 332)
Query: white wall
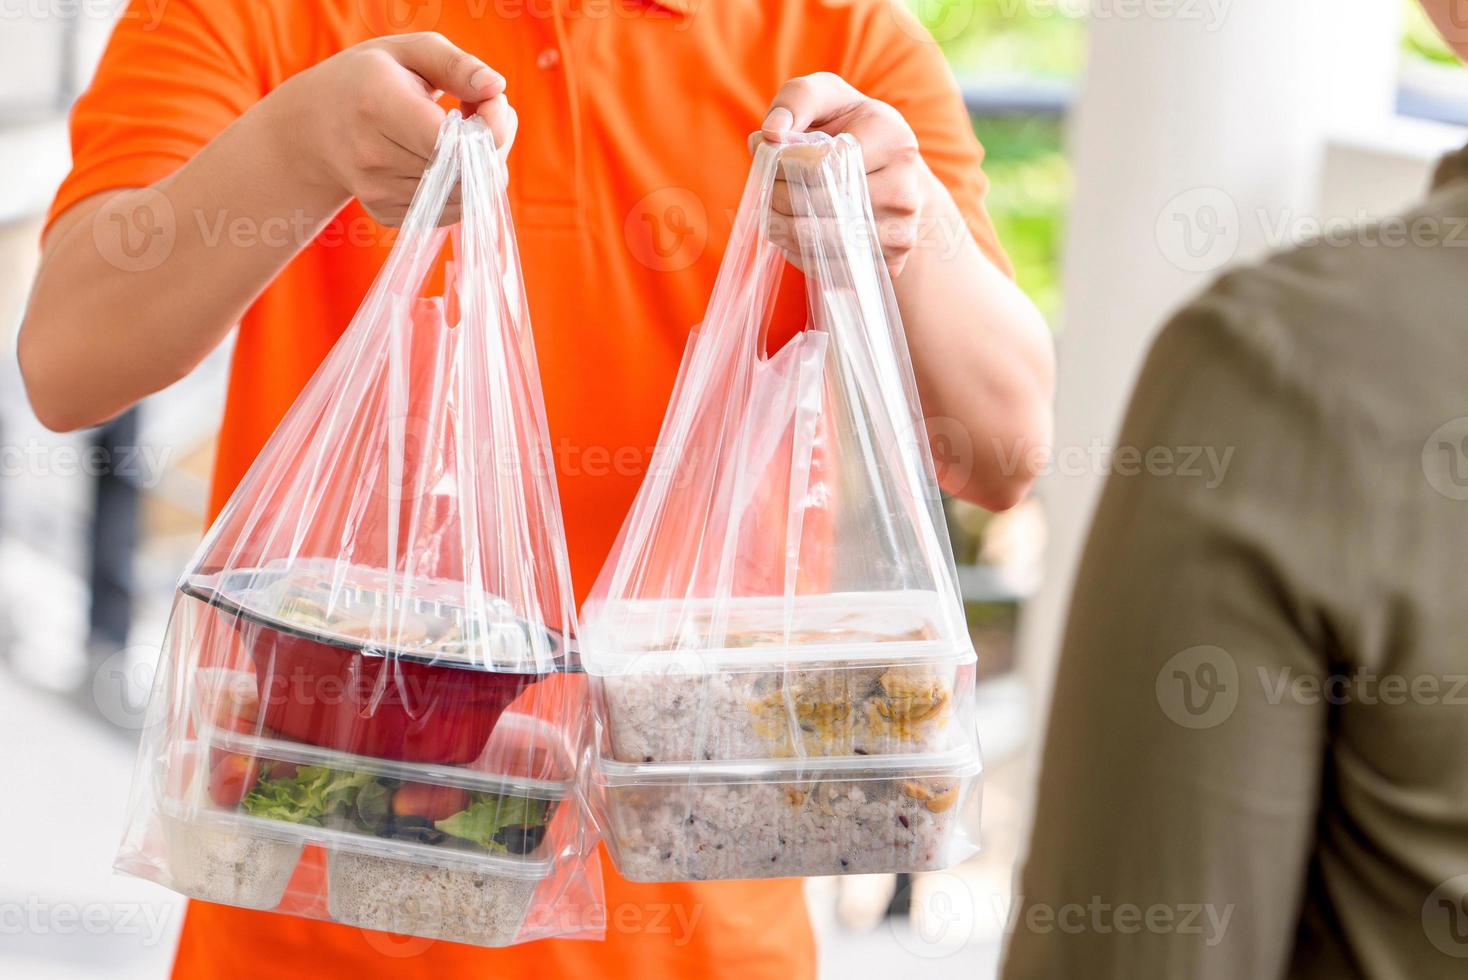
(1209, 128)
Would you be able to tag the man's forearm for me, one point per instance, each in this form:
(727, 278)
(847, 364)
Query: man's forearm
(983, 359)
(136, 287)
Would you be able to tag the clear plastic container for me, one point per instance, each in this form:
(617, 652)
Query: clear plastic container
(462, 861)
(831, 675)
(437, 895)
(502, 803)
(762, 820)
(316, 633)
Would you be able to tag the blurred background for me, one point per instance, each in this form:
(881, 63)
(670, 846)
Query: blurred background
(1135, 149)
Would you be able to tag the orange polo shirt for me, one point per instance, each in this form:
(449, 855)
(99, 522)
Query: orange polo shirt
(628, 165)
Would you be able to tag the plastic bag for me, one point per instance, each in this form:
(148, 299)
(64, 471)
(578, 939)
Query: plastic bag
(782, 672)
(366, 709)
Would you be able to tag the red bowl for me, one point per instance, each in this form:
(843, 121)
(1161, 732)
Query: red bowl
(376, 705)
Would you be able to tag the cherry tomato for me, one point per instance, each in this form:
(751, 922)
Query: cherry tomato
(231, 777)
(282, 770)
(429, 802)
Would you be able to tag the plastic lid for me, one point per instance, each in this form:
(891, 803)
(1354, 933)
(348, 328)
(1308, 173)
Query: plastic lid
(245, 825)
(522, 750)
(961, 761)
(658, 636)
(360, 609)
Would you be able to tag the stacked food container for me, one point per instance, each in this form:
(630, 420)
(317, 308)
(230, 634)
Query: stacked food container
(368, 707)
(436, 786)
(844, 749)
(781, 671)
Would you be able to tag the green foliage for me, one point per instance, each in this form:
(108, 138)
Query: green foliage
(1007, 38)
(1420, 39)
(1029, 193)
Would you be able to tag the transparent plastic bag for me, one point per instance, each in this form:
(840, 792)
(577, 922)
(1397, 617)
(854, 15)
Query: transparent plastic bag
(782, 672)
(367, 709)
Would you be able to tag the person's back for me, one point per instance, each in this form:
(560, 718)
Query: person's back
(1257, 764)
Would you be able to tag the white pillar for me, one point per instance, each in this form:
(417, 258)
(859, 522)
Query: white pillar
(1199, 129)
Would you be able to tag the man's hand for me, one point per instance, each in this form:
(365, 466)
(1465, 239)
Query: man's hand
(366, 120)
(897, 179)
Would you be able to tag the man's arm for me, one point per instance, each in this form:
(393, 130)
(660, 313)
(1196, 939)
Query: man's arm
(980, 350)
(1178, 796)
(107, 325)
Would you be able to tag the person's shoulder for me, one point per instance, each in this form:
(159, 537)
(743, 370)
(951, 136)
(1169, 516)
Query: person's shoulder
(1361, 318)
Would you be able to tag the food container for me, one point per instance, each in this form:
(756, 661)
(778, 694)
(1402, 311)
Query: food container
(711, 820)
(346, 661)
(432, 893)
(833, 675)
(212, 858)
(502, 804)
(462, 861)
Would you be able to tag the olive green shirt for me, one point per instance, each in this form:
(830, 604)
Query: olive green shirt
(1257, 760)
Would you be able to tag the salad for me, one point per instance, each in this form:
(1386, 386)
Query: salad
(424, 813)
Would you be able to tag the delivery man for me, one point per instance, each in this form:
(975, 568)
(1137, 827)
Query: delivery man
(237, 161)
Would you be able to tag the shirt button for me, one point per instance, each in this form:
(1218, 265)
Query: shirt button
(548, 59)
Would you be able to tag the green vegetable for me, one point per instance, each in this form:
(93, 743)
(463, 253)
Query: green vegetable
(373, 802)
(307, 797)
(483, 820)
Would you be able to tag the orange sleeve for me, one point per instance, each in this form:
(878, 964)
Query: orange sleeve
(893, 58)
(171, 78)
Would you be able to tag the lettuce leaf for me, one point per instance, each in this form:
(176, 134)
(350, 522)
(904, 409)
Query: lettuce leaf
(482, 821)
(307, 797)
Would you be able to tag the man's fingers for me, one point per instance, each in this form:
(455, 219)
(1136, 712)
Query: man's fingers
(445, 67)
(501, 118)
(884, 135)
(413, 124)
(809, 102)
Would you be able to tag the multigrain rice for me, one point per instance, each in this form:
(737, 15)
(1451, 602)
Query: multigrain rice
(221, 865)
(676, 717)
(457, 904)
(713, 830)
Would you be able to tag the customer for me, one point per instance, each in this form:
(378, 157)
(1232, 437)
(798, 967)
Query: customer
(251, 125)
(1257, 764)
